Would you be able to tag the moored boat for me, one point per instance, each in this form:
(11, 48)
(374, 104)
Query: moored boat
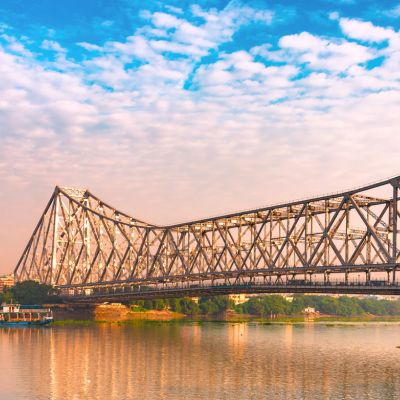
(24, 315)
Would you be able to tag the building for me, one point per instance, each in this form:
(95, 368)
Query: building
(238, 298)
(310, 310)
(6, 281)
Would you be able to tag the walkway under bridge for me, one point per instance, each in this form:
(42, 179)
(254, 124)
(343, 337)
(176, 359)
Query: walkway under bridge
(345, 242)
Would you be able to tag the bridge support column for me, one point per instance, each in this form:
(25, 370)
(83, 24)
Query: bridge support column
(396, 185)
(346, 277)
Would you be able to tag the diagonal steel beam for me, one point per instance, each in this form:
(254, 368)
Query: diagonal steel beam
(371, 229)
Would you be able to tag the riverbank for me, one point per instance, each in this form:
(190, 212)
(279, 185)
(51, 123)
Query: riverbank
(114, 312)
(118, 313)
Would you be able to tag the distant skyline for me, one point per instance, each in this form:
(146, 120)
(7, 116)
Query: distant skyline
(177, 110)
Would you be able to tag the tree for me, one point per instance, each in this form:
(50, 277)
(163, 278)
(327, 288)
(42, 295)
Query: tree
(6, 296)
(255, 306)
(349, 306)
(297, 305)
(215, 304)
(327, 305)
(188, 306)
(175, 305)
(31, 292)
(159, 304)
(148, 304)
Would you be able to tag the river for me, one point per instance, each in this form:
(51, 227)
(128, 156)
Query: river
(200, 360)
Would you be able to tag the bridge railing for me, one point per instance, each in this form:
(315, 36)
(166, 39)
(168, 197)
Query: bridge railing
(247, 287)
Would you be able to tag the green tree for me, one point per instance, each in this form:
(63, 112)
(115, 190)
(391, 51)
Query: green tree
(215, 304)
(31, 292)
(348, 306)
(297, 305)
(6, 296)
(137, 305)
(175, 305)
(255, 306)
(148, 304)
(159, 304)
(188, 306)
(327, 305)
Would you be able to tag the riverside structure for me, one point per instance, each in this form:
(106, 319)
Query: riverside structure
(346, 242)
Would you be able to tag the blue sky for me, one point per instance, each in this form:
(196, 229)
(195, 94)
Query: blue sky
(177, 110)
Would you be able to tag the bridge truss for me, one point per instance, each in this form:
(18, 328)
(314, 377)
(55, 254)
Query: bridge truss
(346, 242)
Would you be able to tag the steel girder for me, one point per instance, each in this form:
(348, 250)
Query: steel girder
(82, 242)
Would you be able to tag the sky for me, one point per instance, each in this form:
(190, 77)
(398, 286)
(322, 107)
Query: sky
(178, 110)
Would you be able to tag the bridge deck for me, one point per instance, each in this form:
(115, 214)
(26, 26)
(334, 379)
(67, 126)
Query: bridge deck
(128, 294)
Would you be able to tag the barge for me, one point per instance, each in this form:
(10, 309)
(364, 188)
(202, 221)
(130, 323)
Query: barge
(24, 315)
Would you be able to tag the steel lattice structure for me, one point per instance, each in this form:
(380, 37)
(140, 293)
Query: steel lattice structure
(82, 243)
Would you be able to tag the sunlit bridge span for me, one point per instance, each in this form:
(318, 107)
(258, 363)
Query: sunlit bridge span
(345, 242)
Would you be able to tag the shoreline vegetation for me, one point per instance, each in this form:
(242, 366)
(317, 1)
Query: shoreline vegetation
(268, 309)
(301, 308)
(170, 317)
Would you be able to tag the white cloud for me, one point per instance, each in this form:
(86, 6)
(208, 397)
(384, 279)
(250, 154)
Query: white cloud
(365, 31)
(107, 23)
(89, 46)
(15, 46)
(3, 27)
(52, 45)
(334, 15)
(337, 55)
(124, 123)
(175, 10)
(163, 20)
(393, 12)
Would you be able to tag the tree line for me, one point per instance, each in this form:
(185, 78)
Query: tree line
(31, 292)
(186, 305)
(342, 306)
(275, 304)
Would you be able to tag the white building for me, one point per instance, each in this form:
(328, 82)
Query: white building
(238, 298)
(310, 310)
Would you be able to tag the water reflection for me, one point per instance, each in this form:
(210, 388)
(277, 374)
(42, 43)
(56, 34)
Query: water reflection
(200, 361)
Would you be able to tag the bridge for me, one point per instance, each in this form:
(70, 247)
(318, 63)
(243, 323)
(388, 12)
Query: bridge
(346, 242)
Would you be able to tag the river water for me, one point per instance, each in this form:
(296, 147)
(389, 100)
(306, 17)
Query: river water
(208, 360)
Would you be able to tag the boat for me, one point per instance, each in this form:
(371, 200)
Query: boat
(25, 315)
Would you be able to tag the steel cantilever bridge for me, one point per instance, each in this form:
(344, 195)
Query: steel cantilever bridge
(339, 243)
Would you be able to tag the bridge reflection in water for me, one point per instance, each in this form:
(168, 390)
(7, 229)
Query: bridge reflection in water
(346, 242)
(200, 361)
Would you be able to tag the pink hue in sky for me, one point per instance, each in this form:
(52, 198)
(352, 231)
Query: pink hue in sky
(165, 154)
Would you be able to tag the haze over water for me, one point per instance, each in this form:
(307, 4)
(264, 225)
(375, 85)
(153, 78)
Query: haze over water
(200, 361)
